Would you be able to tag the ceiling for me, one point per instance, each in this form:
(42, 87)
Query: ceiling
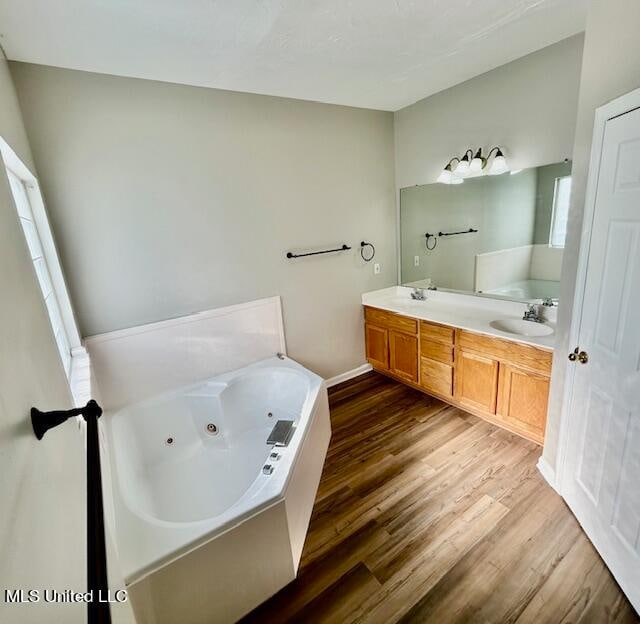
(382, 54)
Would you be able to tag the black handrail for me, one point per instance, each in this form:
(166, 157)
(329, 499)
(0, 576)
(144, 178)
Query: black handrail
(97, 583)
(317, 253)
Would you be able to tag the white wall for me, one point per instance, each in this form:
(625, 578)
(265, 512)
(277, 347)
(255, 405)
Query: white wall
(42, 486)
(167, 199)
(527, 106)
(611, 68)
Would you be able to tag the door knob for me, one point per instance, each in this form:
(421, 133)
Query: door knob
(581, 356)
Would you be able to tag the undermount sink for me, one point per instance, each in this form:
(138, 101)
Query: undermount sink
(522, 328)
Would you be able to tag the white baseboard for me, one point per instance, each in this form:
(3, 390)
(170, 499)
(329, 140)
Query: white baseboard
(355, 372)
(547, 472)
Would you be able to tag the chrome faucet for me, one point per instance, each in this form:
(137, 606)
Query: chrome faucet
(418, 294)
(532, 314)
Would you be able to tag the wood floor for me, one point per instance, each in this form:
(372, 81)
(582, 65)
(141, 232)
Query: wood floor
(428, 514)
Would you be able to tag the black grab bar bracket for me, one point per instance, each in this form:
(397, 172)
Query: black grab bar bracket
(43, 421)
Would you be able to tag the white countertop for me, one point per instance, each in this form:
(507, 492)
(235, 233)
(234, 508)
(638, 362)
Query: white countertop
(457, 310)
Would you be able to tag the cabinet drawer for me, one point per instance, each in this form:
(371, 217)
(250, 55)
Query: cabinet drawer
(436, 351)
(436, 376)
(524, 356)
(436, 333)
(391, 320)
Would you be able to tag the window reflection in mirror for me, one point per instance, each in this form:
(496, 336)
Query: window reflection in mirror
(560, 214)
(517, 251)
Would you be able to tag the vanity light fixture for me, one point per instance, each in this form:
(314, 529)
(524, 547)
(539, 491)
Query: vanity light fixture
(447, 176)
(462, 169)
(499, 164)
(471, 166)
(478, 162)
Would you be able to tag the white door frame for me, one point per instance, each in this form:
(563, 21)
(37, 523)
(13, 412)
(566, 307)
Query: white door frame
(624, 104)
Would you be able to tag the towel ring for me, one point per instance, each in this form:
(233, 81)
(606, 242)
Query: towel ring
(363, 245)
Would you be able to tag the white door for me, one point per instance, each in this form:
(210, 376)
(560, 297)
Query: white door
(601, 475)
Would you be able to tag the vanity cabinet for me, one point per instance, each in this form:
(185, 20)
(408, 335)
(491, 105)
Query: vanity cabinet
(392, 343)
(502, 381)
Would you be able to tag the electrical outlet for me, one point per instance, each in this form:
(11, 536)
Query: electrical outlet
(416, 260)
(376, 269)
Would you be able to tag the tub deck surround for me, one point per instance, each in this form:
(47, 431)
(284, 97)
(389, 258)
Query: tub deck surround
(133, 364)
(190, 494)
(448, 346)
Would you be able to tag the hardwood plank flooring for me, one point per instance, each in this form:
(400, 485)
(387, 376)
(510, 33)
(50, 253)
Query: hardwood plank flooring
(425, 513)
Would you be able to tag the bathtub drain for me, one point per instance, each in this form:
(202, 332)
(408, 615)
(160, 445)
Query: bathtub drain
(212, 429)
(169, 441)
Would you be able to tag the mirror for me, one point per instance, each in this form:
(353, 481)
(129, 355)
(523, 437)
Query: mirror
(499, 236)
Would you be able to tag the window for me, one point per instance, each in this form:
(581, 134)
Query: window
(561, 196)
(25, 212)
(35, 225)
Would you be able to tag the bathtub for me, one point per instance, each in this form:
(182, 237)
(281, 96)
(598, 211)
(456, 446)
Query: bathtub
(209, 519)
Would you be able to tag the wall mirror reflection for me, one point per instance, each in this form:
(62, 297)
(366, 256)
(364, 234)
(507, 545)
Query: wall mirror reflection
(495, 235)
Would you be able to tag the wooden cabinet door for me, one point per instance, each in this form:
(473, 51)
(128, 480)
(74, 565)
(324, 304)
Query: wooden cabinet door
(476, 381)
(403, 350)
(522, 400)
(377, 346)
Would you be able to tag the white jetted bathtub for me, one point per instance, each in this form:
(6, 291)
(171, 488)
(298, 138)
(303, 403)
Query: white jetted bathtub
(210, 519)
